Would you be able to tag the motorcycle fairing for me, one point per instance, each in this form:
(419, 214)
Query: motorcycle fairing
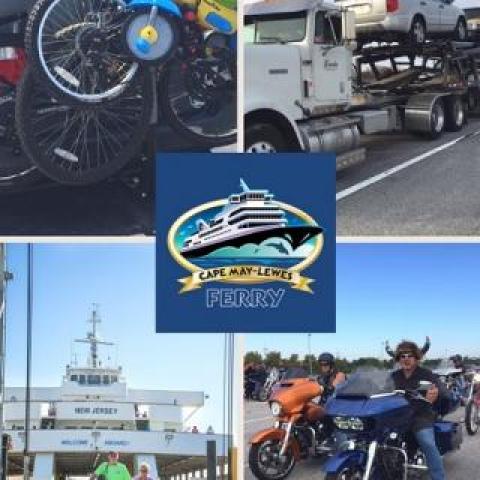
(343, 460)
(163, 5)
(387, 412)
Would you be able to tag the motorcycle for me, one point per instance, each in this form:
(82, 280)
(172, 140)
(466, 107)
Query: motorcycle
(299, 431)
(266, 390)
(375, 419)
(454, 380)
(472, 408)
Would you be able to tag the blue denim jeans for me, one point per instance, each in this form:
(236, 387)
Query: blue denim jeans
(426, 441)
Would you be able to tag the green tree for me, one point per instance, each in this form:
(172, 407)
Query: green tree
(252, 357)
(273, 359)
(293, 361)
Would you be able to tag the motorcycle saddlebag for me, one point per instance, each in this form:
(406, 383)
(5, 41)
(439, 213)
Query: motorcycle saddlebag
(448, 436)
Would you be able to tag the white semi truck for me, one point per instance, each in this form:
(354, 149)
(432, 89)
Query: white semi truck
(307, 88)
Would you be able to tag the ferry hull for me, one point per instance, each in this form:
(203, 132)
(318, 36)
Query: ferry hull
(295, 236)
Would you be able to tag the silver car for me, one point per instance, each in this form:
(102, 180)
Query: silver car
(383, 20)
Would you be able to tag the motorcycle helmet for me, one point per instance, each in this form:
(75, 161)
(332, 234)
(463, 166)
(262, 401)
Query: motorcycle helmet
(457, 360)
(326, 358)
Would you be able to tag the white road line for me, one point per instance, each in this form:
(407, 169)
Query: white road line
(392, 171)
(253, 420)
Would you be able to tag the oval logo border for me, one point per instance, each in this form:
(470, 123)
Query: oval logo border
(184, 263)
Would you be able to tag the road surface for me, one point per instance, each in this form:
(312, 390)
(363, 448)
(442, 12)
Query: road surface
(412, 186)
(463, 464)
(108, 209)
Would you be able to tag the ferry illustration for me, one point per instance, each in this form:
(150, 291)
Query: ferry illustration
(251, 216)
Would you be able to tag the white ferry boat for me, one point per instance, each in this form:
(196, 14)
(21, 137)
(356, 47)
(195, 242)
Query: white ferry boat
(251, 216)
(74, 425)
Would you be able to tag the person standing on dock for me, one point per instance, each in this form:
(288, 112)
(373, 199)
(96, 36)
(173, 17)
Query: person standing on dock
(113, 469)
(143, 473)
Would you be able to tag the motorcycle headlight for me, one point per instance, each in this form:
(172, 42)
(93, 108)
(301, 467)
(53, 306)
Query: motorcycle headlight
(349, 423)
(275, 408)
(476, 378)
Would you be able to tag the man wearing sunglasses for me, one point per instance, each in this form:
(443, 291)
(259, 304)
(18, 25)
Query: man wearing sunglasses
(408, 377)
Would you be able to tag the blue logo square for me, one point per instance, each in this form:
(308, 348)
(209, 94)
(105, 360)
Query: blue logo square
(245, 243)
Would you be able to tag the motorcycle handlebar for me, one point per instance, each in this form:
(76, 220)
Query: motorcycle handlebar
(412, 394)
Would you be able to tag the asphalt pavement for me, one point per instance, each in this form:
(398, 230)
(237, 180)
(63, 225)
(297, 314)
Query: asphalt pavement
(463, 464)
(413, 186)
(121, 206)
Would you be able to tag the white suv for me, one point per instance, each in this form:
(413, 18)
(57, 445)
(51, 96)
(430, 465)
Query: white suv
(383, 20)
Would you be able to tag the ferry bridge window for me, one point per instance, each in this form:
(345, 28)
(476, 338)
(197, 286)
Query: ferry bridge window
(257, 209)
(94, 380)
(74, 378)
(114, 379)
(106, 379)
(81, 379)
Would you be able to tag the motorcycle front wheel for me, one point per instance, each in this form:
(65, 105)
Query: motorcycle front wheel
(357, 473)
(347, 474)
(265, 462)
(263, 395)
(472, 417)
(198, 100)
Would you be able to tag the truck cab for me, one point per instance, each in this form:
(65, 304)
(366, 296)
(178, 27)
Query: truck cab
(298, 60)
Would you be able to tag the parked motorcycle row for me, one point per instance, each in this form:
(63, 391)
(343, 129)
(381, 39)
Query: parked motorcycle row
(79, 97)
(362, 431)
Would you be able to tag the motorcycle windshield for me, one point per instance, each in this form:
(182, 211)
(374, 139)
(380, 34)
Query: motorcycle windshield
(366, 383)
(294, 372)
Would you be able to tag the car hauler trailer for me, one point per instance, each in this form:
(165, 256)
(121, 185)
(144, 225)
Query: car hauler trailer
(307, 88)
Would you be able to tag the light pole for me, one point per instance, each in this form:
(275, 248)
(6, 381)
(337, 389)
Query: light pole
(310, 365)
(26, 453)
(3, 285)
(5, 276)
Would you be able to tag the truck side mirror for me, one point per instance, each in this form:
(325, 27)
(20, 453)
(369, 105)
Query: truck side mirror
(349, 28)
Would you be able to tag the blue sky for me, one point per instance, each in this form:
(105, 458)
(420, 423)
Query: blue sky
(388, 291)
(68, 279)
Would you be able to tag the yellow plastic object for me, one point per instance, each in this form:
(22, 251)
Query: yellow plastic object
(219, 15)
(149, 34)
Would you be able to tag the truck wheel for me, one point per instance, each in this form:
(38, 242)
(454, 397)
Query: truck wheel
(418, 31)
(461, 32)
(437, 119)
(264, 138)
(454, 114)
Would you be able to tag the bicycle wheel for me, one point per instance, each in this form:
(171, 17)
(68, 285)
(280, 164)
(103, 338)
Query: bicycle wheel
(198, 99)
(77, 48)
(16, 170)
(81, 144)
